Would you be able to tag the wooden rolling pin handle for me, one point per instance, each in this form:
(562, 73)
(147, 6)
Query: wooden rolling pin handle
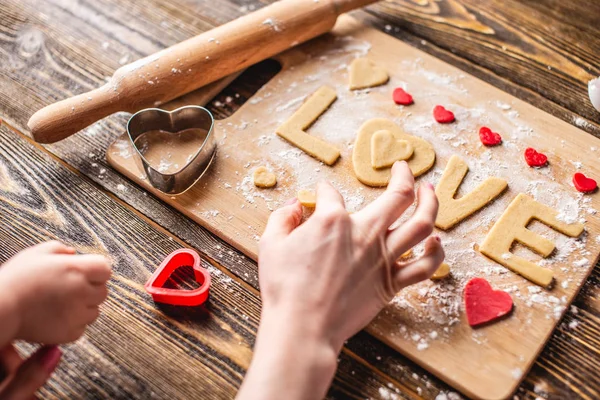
(194, 63)
(57, 121)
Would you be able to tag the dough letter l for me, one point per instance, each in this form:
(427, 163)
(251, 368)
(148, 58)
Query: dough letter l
(293, 129)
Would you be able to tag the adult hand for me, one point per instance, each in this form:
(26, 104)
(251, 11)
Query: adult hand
(20, 378)
(324, 280)
(49, 294)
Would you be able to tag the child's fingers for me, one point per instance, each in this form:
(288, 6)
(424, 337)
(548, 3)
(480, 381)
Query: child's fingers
(96, 268)
(32, 374)
(10, 360)
(421, 268)
(96, 294)
(90, 315)
(53, 247)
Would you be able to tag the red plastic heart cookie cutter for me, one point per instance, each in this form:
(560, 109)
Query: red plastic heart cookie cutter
(179, 297)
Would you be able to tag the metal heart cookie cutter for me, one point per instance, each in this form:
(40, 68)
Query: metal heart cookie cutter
(195, 120)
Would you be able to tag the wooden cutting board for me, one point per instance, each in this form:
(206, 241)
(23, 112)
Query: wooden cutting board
(425, 322)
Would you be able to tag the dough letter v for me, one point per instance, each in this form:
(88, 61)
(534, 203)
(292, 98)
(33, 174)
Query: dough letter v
(452, 210)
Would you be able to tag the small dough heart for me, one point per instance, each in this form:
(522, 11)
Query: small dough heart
(364, 73)
(263, 178)
(307, 198)
(386, 149)
(442, 272)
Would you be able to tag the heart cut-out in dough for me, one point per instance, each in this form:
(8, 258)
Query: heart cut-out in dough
(422, 159)
(386, 149)
(364, 73)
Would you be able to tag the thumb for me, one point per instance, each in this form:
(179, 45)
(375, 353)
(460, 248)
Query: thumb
(284, 220)
(32, 374)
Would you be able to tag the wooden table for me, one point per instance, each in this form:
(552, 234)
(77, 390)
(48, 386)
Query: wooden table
(542, 51)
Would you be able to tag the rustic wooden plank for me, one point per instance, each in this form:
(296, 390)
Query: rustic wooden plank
(136, 349)
(42, 90)
(505, 43)
(43, 200)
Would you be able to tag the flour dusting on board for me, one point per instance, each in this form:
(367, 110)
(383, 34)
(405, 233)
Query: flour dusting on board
(429, 311)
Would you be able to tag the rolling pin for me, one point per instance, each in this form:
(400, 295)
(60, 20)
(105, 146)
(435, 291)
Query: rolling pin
(193, 63)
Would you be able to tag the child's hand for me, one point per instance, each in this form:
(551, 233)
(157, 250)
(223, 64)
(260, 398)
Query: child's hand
(53, 292)
(21, 378)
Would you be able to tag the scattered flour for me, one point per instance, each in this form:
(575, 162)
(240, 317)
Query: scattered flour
(582, 123)
(429, 311)
(271, 22)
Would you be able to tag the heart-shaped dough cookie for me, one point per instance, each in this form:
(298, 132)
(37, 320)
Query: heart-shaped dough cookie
(364, 73)
(484, 304)
(421, 161)
(263, 178)
(386, 149)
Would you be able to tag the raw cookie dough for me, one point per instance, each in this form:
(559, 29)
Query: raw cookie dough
(307, 198)
(406, 255)
(364, 73)
(512, 226)
(386, 150)
(263, 178)
(293, 130)
(442, 272)
(421, 161)
(451, 210)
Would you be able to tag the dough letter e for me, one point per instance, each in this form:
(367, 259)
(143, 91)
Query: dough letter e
(512, 226)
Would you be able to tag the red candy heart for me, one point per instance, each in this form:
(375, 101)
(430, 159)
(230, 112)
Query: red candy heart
(179, 297)
(442, 115)
(402, 98)
(535, 159)
(488, 137)
(583, 183)
(484, 304)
